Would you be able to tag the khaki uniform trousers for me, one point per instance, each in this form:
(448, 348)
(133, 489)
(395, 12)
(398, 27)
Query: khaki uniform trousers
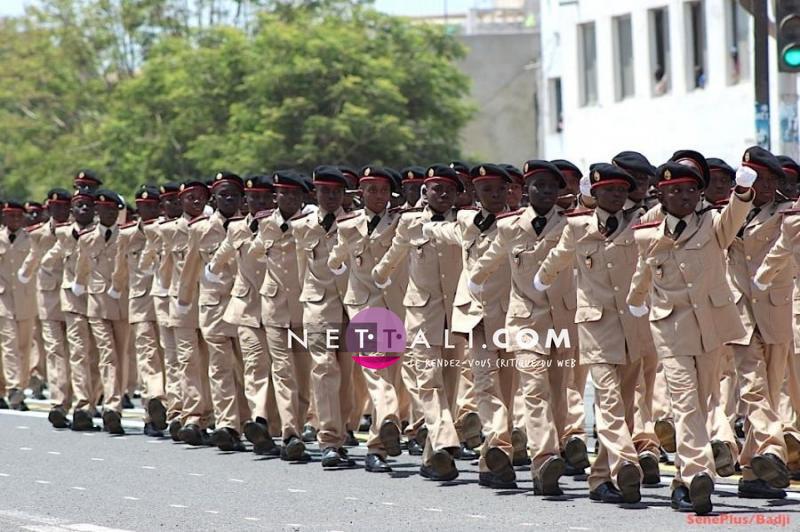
(362, 404)
(172, 376)
(330, 384)
(111, 338)
(410, 403)
(83, 362)
(193, 369)
(542, 379)
(728, 385)
(16, 339)
(644, 435)
(290, 375)
(38, 353)
(761, 369)
(790, 403)
(575, 423)
(59, 380)
(226, 380)
(692, 381)
(131, 381)
(150, 361)
(459, 383)
(256, 367)
(386, 405)
(495, 383)
(661, 406)
(614, 405)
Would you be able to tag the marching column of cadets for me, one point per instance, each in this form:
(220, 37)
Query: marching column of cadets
(676, 287)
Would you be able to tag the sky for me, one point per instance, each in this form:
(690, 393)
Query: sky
(395, 7)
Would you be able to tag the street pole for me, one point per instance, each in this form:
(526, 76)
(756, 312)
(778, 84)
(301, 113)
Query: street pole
(787, 111)
(761, 72)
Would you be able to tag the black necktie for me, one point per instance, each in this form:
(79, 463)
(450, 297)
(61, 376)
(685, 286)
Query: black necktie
(373, 224)
(611, 225)
(12, 237)
(679, 227)
(254, 226)
(538, 224)
(437, 218)
(284, 227)
(484, 223)
(75, 234)
(327, 221)
(750, 215)
(108, 234)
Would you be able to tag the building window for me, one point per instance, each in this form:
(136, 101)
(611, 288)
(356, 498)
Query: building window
(737, 35)
(696, 46)
(660, 55)
(623, 54)
(556, 106)
(587, 63)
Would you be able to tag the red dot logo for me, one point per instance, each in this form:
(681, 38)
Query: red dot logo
(378, 336)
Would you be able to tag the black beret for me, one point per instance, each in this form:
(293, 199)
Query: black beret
(58, 194)
(308, 181)
(193, 184)
(13, 206)
(536, 166)
(87, 177)
(566, 166)
(169, 188)
(633, 161)
(460, 167)
(83, 193)
(695, 157)
(371, 173)
(789, 165)
(329, 175)
(443, 172)
(33, 206)
(258, 182)
(720, 166)
(227, 177)
(489, 171)
(515, 173)
(147, 193)
(289, 179)
(602, 174)
(757, 157)
(412, 174)
(671, 173)
(109, 196)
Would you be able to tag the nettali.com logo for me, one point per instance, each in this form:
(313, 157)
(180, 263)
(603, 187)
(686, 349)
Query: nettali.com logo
(378, 331)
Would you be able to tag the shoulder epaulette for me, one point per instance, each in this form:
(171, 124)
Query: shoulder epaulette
(507, 214)
(198, 219)
(395, 210)
(260, 215)
(34, 227)
(234, 219)
(300, 216)
(148, 222)
(646, 224)
(128, 224)
(412, 209)
(469, 208)
(85, 231)
(349, 216)
(162, 222)
(62, 224)
(790, 212)
(576, 212)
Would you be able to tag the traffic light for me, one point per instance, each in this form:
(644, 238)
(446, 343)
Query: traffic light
(787, 16)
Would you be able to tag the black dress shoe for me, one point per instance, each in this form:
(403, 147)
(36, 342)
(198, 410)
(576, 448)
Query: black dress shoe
(258, 434)
(293, 450)
(346, 460)
(572, 471)
(331, 457)
(365, 423)
(738, 427)
(414, 448)
(127, 404)
(376, 464)
(465, 453)
(389, 435)
(174, 430)
(546, 483)
(58, 418)
(606, 492)
(157, 413)
(309, 434)
(112, 422)
(443, 466)
(351, 440)
(82, 421)
(629, 483)
(665, 431)
(3, 404)
(490, 480)
(723, 459)
(758, 489)
(700, 491)
(576, 454)
(421, 436)
(519, 441)
(152, 431)
(651, 476)
(21, 406)
(680, 500)
(191, 435)
(227, 440)
(471, 430)
(498, 463)
(771, 470)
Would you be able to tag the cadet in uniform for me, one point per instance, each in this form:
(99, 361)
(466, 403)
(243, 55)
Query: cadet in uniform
(36, 216)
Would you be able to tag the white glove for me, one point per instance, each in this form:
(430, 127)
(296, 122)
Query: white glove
(375, 279)
(182, 310)
(474, 288)
(340, 270)
(113, 294)
(22, 278)
(538, 285)
(585, 186)
(745, 176)
(638, 312)
(210, 276)
(78, 289)
(759, 286)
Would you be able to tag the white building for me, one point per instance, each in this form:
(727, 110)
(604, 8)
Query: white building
(648, 75)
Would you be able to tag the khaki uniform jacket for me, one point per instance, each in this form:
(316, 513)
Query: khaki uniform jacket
(17, 300)
(322, 291)
(518, 244)
(154, 260)
(206, 235)
(48, 282)
(94, 268)
(244, 307)
(691, 306)
(491, 304)
(129, 275)
(770, 311)
(605, 268)
(174, 239)
(361, 252)
(433, 273)
(63, 256)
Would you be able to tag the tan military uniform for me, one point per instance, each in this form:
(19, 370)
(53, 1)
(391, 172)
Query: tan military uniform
(692, 315)
(761, 353)
(51, 318)
(479, 316)
(108, 317)
(360, 252)
(541, 359)
(129, 276)
(610, 338)
(17, 312)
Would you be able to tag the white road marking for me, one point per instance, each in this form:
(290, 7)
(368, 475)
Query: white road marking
(252, 519)
(148, 467)
(44, 528)
(579, 528)
(120, 438)
(153, 441)
(89, 434)
(235, 480)
(43, 482)
(388, 503)
(87, 527)
(129, 498)
(476, 516)
(195, 474)
(79, 488)
(54, 452)
(4, 475)
(22, 427)
(212, 512)
(295, 490)
(98, 459)
(178, 506)
(351, 498)
(25, 449)
(433, 509)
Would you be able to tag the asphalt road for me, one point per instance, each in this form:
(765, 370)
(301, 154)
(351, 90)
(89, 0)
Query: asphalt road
(57, 481)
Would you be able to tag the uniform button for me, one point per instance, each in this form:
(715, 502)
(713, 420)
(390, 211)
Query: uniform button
(609, 265)
(748, 257)
(694, 305)
(621, 312)
(440, 254)
(755, 300)
(616, 289)
(683, 265)
(689, 285)
(540, 263)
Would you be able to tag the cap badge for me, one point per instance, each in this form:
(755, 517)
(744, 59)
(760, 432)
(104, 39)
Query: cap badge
(596, 175)
(430, 172)
(144, 195)
(667, 175)
(482, 171)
